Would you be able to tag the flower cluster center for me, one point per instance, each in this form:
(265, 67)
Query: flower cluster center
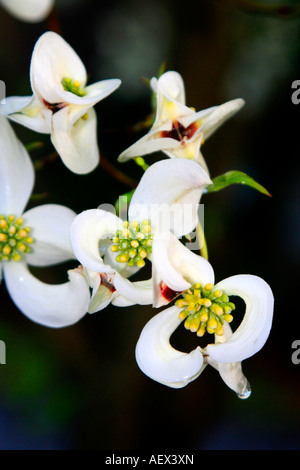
(179, 132)
(134, 242)
(73, 86)
(15, 239)
(205, 309)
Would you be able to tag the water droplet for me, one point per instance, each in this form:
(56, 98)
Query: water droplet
(246, 392)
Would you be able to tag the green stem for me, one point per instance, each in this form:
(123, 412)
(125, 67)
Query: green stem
(117, 174)
(38, 196)
(141, 162)
(202, 241)
(33, 146)
(39, 164)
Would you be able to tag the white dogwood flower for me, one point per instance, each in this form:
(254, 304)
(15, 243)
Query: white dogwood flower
(30, 11)
(178, 130)
(62, 103)
(204, 307)
(112, 249)
(37, 237)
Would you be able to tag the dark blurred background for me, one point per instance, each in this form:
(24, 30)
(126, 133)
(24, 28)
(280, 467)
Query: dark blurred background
(80, 387)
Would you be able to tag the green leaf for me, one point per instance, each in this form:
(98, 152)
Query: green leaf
(235, 177)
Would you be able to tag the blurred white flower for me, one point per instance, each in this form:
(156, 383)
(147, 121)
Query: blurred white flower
(37, 237)
(178, 130)
(31, 11)
(62, 104)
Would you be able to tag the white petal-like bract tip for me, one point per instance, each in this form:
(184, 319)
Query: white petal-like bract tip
(171, 85)
(16, 171)
(255, 327)
(159, 360)
(220, 115)
(50, 227)
(169, 195)
(87, 231)
(177, 266)
(52, 60)
(55, 306)
(138, 293)
(77, 145)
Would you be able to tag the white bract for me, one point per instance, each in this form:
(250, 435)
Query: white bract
(62, 103)
(112, 250)
(38, 237)
(116, 289)
(178, 130)
(204, 307)
(31, 11)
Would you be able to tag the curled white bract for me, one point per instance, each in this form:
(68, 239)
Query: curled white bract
(178, 268)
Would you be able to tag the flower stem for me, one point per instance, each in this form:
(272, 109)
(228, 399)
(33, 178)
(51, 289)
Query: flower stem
(38, 196)
(39, 164)
(117, 174)
(34, 146)
(202, 241)
(141, 162)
